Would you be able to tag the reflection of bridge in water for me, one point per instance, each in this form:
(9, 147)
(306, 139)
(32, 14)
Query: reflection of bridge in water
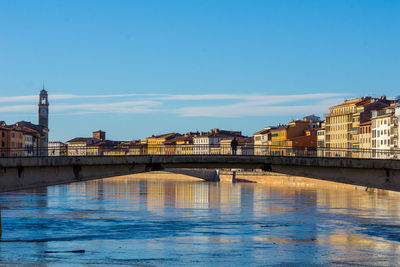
(18, 173)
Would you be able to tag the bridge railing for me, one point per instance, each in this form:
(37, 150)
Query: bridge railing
(198, 150)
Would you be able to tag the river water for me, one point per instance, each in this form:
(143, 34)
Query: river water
(169, 222)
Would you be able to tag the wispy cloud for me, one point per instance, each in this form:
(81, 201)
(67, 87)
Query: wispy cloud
(238, 105)
(267, 99)
(114, 107)
(33, 98)
(256, 108)
(17, 108)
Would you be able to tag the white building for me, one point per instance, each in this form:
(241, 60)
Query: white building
(204, 142)
(321, 141)
(57, 149)
(78, 146)
(261, 139)
(384, 133)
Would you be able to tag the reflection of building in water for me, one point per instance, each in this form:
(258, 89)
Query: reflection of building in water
(350, 201)
(184, 195)
(155, 195)
(201, 193)
(229, 195)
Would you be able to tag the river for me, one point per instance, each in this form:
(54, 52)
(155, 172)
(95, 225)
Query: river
(165, 221)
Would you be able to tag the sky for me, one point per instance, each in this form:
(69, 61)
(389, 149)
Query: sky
(138, 68)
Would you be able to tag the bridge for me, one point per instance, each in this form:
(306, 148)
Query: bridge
(28, 172)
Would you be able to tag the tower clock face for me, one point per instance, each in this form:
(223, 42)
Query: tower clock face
(42, 111)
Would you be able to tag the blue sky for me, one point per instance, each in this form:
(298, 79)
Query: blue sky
(137, 68)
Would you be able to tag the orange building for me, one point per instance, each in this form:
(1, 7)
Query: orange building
(305, 145)
(282, 133)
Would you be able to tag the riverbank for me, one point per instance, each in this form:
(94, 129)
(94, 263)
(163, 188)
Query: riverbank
(270, 179)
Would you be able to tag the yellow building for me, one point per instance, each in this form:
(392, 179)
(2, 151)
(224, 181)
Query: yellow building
(225, 146)
(365, 140)
(184, 145)
(16, 143)
(99, 148)
(343, 124)
(156, 144)
(138, 147)
(115, 152)
(215, 150)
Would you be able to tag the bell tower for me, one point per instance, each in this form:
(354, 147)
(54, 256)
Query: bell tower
(43, 109)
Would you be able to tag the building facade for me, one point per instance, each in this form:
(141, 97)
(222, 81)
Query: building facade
(365, 140)
(57, 149)
(79, 146)
(343, 124)
(321, 141)
(261, 141)
(384, 133)
(204, 142)
(397, 115)
(281, 134)
(156, 144)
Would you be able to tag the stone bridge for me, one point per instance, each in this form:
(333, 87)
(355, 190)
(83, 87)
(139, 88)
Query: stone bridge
(29, 172)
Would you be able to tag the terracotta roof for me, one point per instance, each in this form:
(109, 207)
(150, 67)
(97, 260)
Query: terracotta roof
(27, 130)
(297, 121)
(264, 131)
(165, 136)
(106, 143)
(349, 102)
(243, 140)
(30, 125)
(83, 139)
(179, 138)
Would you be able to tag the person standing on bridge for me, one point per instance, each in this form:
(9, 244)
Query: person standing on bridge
(234, 145)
